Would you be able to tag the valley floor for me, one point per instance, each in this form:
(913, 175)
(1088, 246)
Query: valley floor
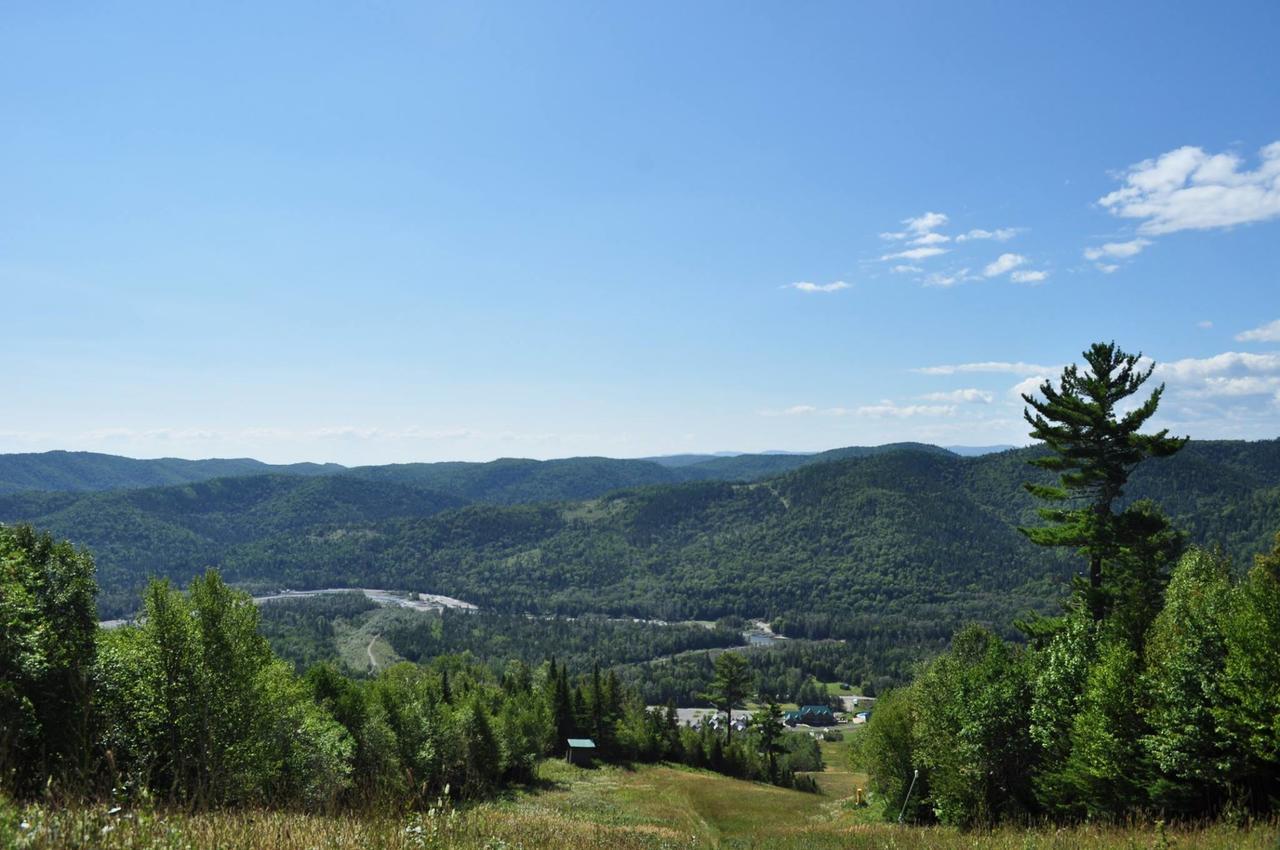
(647, 808)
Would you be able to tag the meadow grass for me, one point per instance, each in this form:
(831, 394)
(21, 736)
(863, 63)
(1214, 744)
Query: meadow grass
(649, 808)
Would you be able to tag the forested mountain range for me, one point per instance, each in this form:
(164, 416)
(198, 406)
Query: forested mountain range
(907, 540)
(503, 481)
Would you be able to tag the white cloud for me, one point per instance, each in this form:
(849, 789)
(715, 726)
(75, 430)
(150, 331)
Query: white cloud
(940, 279)
(1189, 189)
(920, 239)
(1266, 333)
(1028, 386)
(1228, 364)
(1002, 234)
(896, 411)
(1235, 378)
(1108, 268)
(970, 396)
(925, 223)
(992, 366)
(920, 229)
(412, 432)
(806, 286)
(1028, 276)
(1004, 263)
(1117, 250)
(175, 434)
(1247, 385)
(915, 254)
(794, 410)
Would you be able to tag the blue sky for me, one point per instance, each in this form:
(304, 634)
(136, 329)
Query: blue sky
(386, 232)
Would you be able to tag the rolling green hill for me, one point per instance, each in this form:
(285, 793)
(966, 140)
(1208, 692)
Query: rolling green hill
(513, 481)
(510, 481)
(89, 471)
(897, 537)
(506, 481)
(178, 531)
(905, 540)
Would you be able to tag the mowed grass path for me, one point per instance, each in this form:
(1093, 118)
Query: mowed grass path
(691, 807)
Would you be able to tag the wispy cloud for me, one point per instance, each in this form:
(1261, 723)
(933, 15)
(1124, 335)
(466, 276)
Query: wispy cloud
(922, 238)
(1002, 234)
(918, 226)
(931, 239)
(897, 411)
(1025, 276)
(323, 432)
(1189, 189)
(1269, 332)
(1003, 264)
(413, 432)
(915, 253)
(971, 396)
(794, 410)
(159, 434)
(947, 279)
(806, 286)
(1117, 250)
(991, 366)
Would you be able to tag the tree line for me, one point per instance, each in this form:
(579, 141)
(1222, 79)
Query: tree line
(1158, 688)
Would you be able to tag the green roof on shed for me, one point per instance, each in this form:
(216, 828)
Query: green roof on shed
(582, 744)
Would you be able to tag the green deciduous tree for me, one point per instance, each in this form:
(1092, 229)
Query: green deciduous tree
(1249, 712)
(1185, 656)
(47, 627)
(1105, 775)
(193, 705)
(886, 750)
(1095, 446)
(970, 730)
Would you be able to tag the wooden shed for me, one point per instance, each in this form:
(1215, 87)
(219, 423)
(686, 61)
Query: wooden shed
(581, 751)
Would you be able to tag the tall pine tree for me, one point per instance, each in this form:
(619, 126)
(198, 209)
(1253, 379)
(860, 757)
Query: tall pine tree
(1095, 446)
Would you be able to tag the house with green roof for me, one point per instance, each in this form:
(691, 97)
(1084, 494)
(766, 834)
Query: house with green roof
(810, 715)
